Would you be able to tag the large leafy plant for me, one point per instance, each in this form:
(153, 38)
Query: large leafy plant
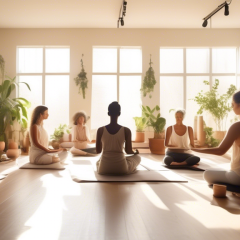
(12, 108)
(58, 132)
(154, 120)
(217, 105)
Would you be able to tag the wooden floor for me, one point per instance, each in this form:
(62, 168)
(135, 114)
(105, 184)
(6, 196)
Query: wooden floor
(48, 205)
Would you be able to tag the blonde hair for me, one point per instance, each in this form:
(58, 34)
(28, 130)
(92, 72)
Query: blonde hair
(78, 115)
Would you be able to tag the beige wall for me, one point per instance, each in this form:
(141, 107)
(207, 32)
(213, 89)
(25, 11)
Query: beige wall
(81, 42)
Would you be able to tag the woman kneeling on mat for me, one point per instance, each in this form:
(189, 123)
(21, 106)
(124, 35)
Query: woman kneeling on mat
(80, 135)
(178, 140)
(110, 140)
(39, 151)
(232, 138)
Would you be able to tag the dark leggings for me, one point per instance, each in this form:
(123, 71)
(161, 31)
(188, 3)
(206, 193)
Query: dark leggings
(180, 157)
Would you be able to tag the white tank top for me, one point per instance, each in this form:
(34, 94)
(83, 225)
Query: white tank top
(235, 159)
(182, 142)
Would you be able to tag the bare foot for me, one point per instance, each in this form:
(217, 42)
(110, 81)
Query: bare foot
(178, 163)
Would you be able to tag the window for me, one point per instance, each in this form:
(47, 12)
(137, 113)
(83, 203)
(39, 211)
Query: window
(182, 72)
(116, 77)
(46, 70)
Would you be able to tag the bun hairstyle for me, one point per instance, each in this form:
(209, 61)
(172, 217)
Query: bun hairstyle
(36, 114)
(114, 109)
(182, 111)
(236, 97)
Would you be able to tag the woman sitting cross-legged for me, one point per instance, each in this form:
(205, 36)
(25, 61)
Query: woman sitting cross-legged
(39, 151)
(80, 136)
(178, 139)
(110, 141)
(232, 138)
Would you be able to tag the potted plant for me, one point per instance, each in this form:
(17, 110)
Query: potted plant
(149, 81)
(217, 105)
(158, 123)
(210, 140)
(140, 125)
(58, 135)
(82, 80)
(11, 109)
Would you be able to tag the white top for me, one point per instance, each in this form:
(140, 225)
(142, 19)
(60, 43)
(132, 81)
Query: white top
(235, 159)
(42, 138)
(80, 134)
(182, 142)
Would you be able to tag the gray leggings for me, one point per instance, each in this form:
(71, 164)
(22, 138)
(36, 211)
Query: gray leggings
(180, 157)
(221, 176)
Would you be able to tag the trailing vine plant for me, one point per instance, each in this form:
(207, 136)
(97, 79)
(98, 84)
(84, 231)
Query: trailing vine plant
(149, 81)
(81, 80)
(2, 67)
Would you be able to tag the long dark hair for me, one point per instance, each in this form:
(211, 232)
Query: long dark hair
(236, 97)
(36, 114)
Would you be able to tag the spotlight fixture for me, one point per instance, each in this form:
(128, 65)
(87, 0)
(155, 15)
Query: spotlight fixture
(226, 12)
(122, 13)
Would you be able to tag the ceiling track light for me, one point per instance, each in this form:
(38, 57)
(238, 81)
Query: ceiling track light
(122, 13)
(226, 12)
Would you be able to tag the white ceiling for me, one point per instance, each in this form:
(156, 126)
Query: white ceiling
(105, 13)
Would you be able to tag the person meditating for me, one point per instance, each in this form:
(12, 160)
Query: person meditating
(110, 141)
(232, 138)
(39, 151)
(178, 140)
(80, 135)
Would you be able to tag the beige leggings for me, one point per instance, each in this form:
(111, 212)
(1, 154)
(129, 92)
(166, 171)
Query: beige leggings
(47, 158)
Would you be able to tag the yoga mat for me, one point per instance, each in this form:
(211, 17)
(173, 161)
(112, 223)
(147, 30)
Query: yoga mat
(84, 170)
(54, 166)
(138, 176)
(194, 167)
(152, 165)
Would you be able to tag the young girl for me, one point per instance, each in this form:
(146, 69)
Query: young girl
(39, 151)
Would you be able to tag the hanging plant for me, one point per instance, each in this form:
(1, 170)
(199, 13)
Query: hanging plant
(2, 66)
(81, 80)
(149, 81)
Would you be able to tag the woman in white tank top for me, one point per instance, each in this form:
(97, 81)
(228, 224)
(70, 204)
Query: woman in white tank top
(232, 138)
(179, 139)
(80, 135)
(110, 141)
(39, 151)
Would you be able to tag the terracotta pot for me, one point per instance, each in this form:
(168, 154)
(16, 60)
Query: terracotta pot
(195, 128)
(2, 145)
(219, 135)
(140, 137)
(55, 144)
(12, 145)
(219, 190)
(13, 153)
(157, 146)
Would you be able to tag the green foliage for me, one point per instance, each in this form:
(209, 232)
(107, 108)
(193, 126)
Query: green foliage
(58, 132)
(152, 120)
(217, 106)
(140, 123)
(11, 109)
(210, 140)
(81, 80)
(149, 81)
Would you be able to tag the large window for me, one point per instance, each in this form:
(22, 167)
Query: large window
(182, 72)
(116, 77)
(46, 70)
